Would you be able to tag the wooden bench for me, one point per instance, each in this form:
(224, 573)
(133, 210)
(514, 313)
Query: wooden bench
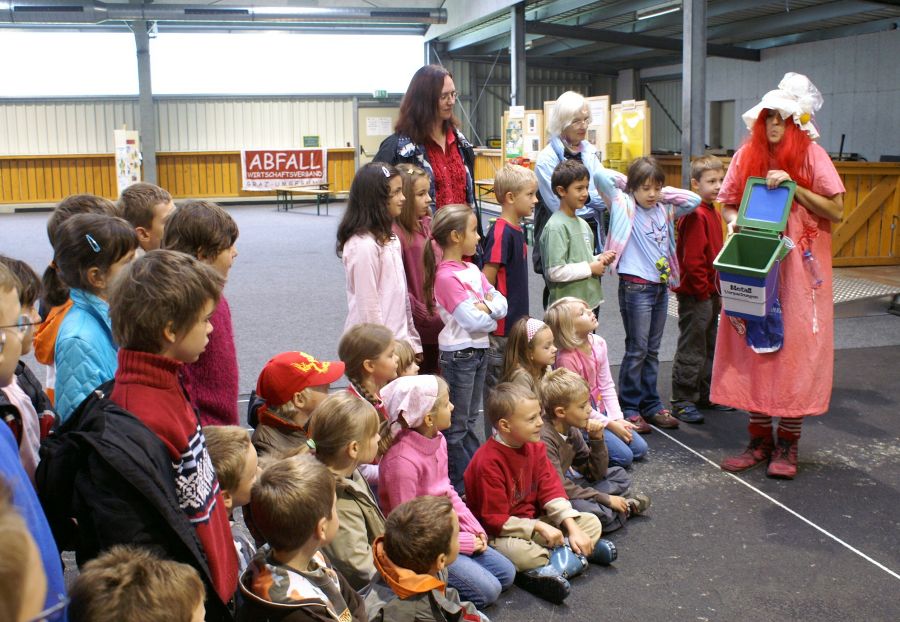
(285, 196)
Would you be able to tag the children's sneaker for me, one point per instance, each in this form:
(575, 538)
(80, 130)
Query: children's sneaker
(567, 562)
(545, 582)
(638, 503)
(663, 419)
(687, 412)
(707, 405)
(604, 553)
(640, 426)
(758, 451)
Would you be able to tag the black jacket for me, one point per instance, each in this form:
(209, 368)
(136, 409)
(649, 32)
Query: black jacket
(109, 472)
(35, 392)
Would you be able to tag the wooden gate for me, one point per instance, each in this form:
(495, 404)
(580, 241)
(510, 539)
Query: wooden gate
(869, 234)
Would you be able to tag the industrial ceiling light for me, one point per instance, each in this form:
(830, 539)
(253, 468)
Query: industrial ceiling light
(659, 9)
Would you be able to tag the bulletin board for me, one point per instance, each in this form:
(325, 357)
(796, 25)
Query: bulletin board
(523, 136)
(598, 130)
(374, 125)
(630, 125)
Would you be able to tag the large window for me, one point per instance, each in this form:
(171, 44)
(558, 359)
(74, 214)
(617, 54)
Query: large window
(49, 64)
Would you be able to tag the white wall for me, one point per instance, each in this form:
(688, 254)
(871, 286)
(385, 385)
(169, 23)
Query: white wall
(46, 127)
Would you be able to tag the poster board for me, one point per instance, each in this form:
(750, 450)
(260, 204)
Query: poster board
(630, 125)
(374, 124)
(598, 130)
(128, 158)
(269, 169)
(523, 136)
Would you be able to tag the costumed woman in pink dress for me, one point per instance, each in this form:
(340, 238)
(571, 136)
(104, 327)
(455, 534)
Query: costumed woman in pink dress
(755, 369)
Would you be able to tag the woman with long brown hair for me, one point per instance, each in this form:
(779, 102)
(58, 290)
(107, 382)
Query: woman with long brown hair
(427, 135)
(793, 379)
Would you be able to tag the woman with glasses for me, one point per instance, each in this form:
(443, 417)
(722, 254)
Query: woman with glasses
(427, 136)
(567, 128)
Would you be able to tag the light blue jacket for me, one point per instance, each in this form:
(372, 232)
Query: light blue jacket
(86, 355)
(550, 157)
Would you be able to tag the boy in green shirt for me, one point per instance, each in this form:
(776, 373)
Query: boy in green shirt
(567, 242)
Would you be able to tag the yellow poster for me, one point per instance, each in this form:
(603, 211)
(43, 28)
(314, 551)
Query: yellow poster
(631, 127)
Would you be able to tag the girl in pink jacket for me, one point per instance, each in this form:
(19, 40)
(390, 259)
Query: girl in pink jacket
(416, 464)
(371, 253)
(573, 324)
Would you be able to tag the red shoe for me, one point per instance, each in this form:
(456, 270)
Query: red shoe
(784, 460)
(640, 426)
(758, 451)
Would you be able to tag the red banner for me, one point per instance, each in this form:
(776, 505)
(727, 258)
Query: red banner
(268, 169)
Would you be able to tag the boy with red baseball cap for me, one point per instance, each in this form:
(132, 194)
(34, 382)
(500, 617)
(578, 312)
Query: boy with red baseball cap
(290, 386)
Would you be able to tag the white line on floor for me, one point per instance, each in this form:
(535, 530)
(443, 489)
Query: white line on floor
(781, 505)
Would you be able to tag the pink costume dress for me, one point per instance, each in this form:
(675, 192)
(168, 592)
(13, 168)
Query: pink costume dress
(796, 380)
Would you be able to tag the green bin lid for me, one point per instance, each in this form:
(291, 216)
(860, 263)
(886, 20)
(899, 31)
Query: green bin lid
(764, 208)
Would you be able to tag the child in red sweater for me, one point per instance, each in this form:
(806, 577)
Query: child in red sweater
(516, 494)
(160, 310)
(699, 242)
(209, 233)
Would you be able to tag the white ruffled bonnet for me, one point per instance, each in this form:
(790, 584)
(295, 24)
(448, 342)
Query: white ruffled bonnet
(795, 98)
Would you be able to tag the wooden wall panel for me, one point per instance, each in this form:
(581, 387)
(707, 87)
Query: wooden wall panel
(213, 174)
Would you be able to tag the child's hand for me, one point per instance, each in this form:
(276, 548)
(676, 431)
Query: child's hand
(482, 307)
(607, 257)
(595, 429)
(489, 297)
(598, 267)
(481, 544)
(622, 429)
(579, 541)
(618, 504)
(551, 534)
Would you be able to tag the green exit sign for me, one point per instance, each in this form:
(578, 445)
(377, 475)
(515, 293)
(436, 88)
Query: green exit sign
(310, 141)
(380, 94)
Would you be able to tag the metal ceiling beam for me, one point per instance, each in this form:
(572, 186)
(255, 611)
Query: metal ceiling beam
(892, 23)
(645, 41)
(97, 12)
(593, 67)
(752, 28)
(233, 28)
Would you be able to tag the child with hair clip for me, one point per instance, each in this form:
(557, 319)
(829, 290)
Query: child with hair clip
(584, 352)
(406, 359)
(642, 235)
(416, 465)
(413, 228)
(55, 302)
(343, 434)
(470, 307)
(89, 252)
(530, 352)
(372, 256)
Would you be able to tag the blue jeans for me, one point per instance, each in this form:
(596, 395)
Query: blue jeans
(621, 453)
(480, 579)
(643, 309)
(464, 372)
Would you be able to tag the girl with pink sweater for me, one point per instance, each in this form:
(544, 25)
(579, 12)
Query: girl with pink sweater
(584, 352)
(416, 464)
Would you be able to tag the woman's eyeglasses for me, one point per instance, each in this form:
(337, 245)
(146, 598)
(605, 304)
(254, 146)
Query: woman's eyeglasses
(580, 122)
(446, 97)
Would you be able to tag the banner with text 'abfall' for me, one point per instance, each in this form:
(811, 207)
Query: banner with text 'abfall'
(270, 169)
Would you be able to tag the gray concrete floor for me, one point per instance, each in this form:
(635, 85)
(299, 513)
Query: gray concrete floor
(825, 546)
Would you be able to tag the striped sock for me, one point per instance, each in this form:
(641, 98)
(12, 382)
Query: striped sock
(789, 429)
(760, 425)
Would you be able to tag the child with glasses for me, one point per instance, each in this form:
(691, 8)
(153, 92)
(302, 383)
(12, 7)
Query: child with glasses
(23, 404)
(89, 252)
(372, 255)
(12, 474)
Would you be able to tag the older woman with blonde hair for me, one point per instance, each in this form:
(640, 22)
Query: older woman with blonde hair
(567, 129)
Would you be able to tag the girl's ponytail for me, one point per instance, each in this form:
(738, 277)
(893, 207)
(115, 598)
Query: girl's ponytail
(56, 292)
(448, 219)
(87, 241)
(338, 421)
